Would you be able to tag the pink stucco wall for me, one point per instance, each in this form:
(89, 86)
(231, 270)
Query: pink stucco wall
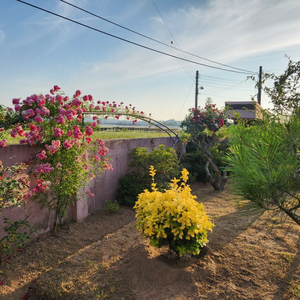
(103, 187)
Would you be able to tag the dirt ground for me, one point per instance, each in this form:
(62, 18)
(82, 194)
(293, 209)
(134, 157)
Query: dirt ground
(105, 257)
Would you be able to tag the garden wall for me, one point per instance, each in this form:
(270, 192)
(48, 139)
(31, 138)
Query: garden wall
(103, 187)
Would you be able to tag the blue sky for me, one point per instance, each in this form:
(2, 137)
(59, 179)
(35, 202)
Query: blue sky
(39, 50)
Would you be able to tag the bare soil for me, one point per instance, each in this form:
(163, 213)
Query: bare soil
(105, 257)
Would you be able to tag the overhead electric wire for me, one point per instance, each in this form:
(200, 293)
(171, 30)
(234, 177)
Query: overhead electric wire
(128, 41)
(222, 79)
(240, 84)
(168, 36)
(184, 101)
(191, 74)
(149, 12)
(216, 95)
(147, 37)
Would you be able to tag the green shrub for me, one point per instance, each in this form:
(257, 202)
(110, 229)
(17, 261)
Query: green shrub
(111, 206)
(173, 217)
(135, 182)
(129, 187)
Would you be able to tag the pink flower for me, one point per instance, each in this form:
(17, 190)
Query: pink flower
(60, 119)
(76, 102)
(44, 168)
(58, 165)
(68, 144)
(16, 101)
(3, 143)
(78, 135)
(28, 113)
(45, 111)
(70, 114)
(38, 119)
(78, 93)
(89, 193)
(55, 145)
(17, 107)
(41, 101)
(70, 133)
(88, 130)
(61, 111)
(13, 133)
(41, 155)
(58, 132)
(56, 88)
(88, 140)
(59, 99)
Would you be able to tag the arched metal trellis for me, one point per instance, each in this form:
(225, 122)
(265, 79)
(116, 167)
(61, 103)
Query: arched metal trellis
(171, 133)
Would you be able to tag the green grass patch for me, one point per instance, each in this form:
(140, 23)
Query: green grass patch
(108, 135)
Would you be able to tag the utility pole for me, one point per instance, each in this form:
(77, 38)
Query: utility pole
(259, 85)
(196, 90)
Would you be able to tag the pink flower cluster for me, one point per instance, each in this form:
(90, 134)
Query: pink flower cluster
(90, 193)
(41, 186)
(55, 145)
(18, 130)
(44, 168)
(3, 143)
(56, 121)
(102, 150)
(68, 144)
(41, 155)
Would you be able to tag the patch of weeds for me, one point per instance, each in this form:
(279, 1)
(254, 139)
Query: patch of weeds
(111, 207)
(295, 289)
(88, 262)
(107, 289)
(288, 257)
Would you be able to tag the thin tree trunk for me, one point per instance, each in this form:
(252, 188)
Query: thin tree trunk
(218, 183)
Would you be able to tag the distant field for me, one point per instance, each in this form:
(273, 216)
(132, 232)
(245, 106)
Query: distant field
(110, 135)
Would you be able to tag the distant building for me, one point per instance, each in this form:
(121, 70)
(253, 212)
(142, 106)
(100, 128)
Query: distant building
(244, 110)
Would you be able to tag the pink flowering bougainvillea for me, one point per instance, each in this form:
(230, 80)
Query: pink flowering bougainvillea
(68, 157)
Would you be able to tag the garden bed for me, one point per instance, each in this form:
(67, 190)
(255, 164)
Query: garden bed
(105, 257)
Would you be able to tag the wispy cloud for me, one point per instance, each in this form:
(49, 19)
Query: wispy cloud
(2, 35)
(231, 30)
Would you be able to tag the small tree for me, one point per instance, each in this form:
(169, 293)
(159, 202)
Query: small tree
(264, 164)
(285, 92)
(264, 158)
(204, 127)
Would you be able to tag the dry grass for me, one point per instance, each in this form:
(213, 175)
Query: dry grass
(105, 257)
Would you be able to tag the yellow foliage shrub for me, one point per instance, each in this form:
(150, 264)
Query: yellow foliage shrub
(173, 217)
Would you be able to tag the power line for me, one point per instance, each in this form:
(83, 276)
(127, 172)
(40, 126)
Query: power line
(128, 41)
(171, 38)
(145, 36)
(149, 12)
(227, 85)
(223, 79)
(216, 95)
(185, 101)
